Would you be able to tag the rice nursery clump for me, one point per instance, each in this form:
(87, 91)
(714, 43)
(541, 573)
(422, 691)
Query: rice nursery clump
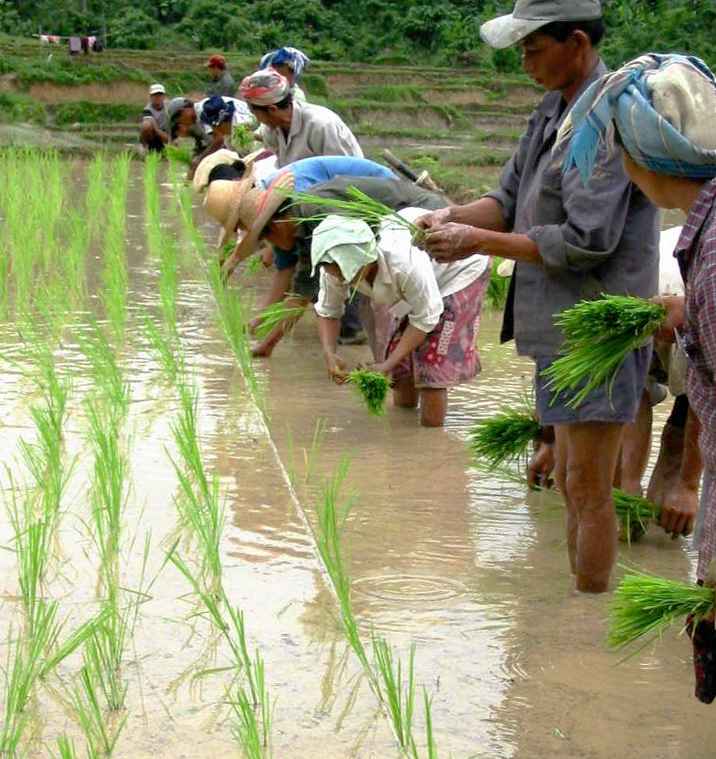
(505, 437)
(634, 513)
(599, 335)
(178, 154)
(373, 387)
(645, 605)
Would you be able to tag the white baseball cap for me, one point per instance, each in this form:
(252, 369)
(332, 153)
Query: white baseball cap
(157, 89)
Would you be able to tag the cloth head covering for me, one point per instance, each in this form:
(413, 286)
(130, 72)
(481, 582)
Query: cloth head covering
(265, 87)
(216, 111)
(663, 107)
(157, 89)
(531, 15)
(295, 59)
(348, 243)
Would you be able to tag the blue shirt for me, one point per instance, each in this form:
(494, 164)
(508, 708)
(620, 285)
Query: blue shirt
(312, 171)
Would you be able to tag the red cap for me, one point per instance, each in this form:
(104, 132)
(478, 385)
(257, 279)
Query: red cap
(218, 61)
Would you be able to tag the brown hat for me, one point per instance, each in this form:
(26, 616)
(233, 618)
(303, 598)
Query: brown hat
(243, 204)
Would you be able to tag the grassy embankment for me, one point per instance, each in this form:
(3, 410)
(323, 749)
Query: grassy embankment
(461, 124)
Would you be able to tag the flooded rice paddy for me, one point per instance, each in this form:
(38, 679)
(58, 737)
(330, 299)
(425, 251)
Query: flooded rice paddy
(469, 568)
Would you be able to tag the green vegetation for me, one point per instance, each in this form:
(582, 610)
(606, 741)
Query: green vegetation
(278, 315)
(634, 514)
(504, 438)
(599, 335)
(645, 605)
(373, 387)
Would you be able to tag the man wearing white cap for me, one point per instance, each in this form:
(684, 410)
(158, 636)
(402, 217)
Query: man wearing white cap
(570, 242)
(154, 133)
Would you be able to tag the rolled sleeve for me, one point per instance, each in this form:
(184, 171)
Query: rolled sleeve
(595, 214)
(332, 297)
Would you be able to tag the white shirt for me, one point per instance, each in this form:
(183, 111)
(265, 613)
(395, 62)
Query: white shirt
(408, 281)
(670, 280)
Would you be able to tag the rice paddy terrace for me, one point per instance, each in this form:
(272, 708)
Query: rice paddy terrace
(205, 556)
(461, 124)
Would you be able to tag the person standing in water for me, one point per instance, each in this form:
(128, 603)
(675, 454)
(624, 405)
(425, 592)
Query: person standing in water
(570, 242)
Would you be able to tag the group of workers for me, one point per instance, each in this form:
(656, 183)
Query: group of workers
(576, 211)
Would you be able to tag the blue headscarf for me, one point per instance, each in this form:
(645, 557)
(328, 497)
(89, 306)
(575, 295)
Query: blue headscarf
(625, 99)
(216, 111)
(295, 59)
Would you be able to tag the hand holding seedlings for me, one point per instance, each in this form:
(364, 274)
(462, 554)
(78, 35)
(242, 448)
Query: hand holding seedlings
(337, 368)
(675, 306)
(450, 241)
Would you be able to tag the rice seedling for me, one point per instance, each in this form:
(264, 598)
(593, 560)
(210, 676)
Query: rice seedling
(252, 728)
(242, 139)
(634, 514)
(177, 154)
(373, 388)
(645, 605)
(167, 350)
(504, 438)
(498, 287)
(397, 692)
(357, 205)
(30, 658)
(66, 748)
(599, 335)
(115, 278)
(110, 388)
(278, 315)
(101, 734)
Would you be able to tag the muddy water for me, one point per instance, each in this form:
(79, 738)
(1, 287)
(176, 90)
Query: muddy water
(467, 567)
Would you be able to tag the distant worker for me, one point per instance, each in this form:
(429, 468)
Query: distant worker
(184, 122)
(155, 131)
(295, 129)
(222, 83)
(289, 62)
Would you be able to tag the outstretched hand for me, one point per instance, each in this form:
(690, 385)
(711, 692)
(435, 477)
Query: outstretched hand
(434, 219)
(337, 368)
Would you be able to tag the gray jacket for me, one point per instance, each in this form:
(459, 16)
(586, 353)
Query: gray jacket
(593, 239)
(224, 86)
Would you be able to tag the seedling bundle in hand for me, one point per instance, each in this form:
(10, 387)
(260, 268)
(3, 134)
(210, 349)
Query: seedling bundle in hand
(357, 206)
(505, 437)
(373, 386)
(645, 605)
(276, 315)
(599, 335)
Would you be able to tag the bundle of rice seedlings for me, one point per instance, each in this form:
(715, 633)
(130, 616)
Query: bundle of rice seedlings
(358, 205)
(373, 386)
(504, 437)
(178, 154)
(599, 335)
(634, 514)
(645, 605)
(242, 139)
(275, 315)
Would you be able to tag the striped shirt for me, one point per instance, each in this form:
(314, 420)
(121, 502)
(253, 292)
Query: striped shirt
(696, 253)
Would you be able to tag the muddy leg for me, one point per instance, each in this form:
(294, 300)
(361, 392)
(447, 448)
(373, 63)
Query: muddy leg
(404, 393)
(265, 348)
(280, 284)
(588, 489)
(636, 446)
(560, 476)
(433, 406)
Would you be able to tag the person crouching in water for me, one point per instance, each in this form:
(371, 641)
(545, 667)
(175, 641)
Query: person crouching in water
(426, 314)
(659, 108)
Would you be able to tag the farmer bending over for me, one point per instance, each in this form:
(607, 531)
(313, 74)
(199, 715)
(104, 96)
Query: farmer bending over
(570, 242)
(661, 108)
(426, 314)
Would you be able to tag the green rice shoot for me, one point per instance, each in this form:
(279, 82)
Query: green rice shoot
(645, 605)
(178, 154)
(504, 438)
(358, 205)
(278, 315)
(498, 287)
(634, 513)
(373, 387)
(599, 335)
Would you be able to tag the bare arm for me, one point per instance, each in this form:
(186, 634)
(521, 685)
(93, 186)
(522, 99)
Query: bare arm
(411, 339)
(453, 241)
(485, 213)
(328, 331)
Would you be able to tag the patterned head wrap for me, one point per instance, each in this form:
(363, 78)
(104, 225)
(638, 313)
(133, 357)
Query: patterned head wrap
(663, 108)
(216, 111)
(295, 59)
(266, 87)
